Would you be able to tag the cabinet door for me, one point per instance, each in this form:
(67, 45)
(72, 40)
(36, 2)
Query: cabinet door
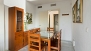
(18, 40)
(17, 47)
(25, 38)
(19, 21)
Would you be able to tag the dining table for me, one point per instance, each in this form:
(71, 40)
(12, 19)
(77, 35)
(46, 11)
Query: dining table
(47, 36)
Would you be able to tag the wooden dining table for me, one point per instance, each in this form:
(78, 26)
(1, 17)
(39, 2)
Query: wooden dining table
(46, 36)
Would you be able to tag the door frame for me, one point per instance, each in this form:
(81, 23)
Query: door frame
(58, 16)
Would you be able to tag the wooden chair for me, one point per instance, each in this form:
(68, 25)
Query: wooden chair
(30, 31)
(34, 30)
(34, 42)
(56, 43)
(50, 29)
(38, 29)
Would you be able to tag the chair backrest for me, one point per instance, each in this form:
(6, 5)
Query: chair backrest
(56, 42)
(59, 40)
(34, 42)
(38, 29)
(34, 30)
(30, 31)
(50, 29)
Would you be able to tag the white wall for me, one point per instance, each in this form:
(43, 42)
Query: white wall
(80, 35)
(65, 22)
(6, 27)
(30, 8)
(1, 1)
(43, 20)
(1, 27)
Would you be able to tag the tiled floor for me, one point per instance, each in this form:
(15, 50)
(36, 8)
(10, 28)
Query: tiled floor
(66, 46)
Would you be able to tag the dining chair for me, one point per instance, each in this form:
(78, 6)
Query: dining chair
(56, 43)
(34, 42)
(50, 29)
(38, 29)
(30, 31)
(34, 30)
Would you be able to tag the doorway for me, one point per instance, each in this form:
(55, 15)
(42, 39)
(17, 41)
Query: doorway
(53, 20)
(49, 19)
(56, 22)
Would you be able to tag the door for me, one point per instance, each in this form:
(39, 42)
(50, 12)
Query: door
(56, 22)
(43, 20)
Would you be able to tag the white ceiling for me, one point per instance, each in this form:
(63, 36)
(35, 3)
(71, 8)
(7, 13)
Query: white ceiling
(39, 2)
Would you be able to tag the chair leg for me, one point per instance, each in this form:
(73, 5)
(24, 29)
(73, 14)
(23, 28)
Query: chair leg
(44, 49)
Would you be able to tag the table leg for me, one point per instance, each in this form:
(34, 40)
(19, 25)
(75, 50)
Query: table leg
(49, 45)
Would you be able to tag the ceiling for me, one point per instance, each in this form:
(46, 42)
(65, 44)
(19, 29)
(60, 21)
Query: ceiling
(39, 2)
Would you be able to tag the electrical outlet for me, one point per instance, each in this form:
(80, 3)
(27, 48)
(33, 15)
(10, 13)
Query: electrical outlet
(73, 43)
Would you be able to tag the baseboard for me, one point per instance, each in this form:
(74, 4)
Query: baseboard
(74, 48)
(6, 50)
(66, 41)
(74, 45)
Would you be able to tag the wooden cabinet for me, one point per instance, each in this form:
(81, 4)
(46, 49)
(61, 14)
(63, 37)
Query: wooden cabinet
(16, 28)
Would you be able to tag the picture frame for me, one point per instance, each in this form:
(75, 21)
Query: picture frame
(29, 18)
(78, 11)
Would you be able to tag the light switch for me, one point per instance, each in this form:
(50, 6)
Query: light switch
(87, 29)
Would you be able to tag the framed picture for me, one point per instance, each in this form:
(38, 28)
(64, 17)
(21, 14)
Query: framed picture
(74, 13)
(79, 11)
(29, 18)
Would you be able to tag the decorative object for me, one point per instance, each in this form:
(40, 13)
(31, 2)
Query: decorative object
(74, 13)
(29, 18)
(77, 11)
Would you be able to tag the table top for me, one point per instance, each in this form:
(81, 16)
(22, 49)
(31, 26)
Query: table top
(46, 34)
